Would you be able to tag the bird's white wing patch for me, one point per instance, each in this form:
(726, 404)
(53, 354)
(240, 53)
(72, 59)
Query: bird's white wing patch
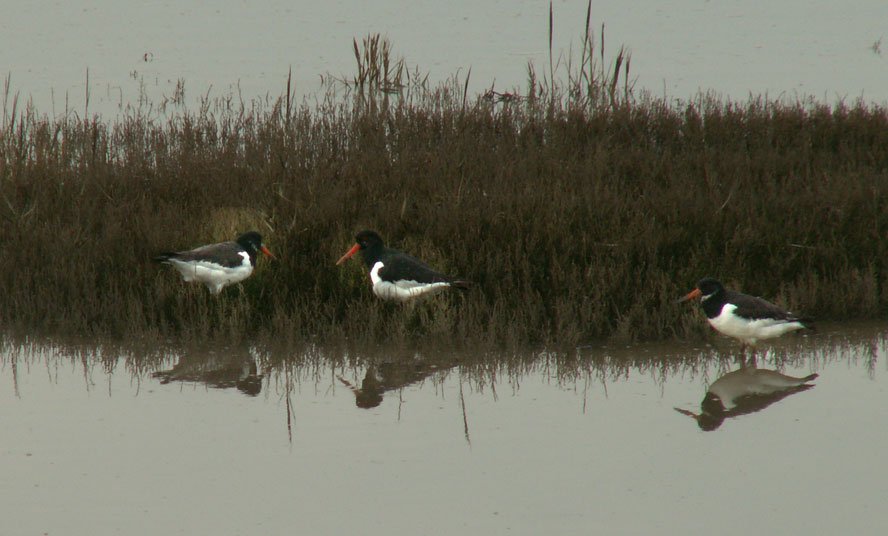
(401, 290)
(212, 274)
(750, 331)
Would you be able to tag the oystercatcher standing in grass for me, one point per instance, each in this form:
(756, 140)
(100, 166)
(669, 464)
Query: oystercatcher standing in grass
(746, 318)
(395, 275)
(218, 265)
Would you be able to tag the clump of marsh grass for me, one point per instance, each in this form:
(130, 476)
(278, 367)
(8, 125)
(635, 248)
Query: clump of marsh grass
(379, 75)
(377, 72)
(589, 84)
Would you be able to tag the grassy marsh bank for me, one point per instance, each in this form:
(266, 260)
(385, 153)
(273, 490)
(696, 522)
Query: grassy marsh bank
(580, 212)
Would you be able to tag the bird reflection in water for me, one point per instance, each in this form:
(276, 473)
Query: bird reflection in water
(224, 370)
(390, 376)
(744, 391)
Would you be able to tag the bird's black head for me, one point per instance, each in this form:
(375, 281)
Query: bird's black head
(712, 412)
(709, 287)
(371, 246)
(705, 288)
(368, 239)
(368, 243)
(712, 403)
(251, 241)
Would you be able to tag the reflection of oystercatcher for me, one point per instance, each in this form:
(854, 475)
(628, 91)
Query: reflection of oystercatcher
(395, 275)
(743, 317)
(745, 391)
(221, 370)
(218, 265)
(388, 376)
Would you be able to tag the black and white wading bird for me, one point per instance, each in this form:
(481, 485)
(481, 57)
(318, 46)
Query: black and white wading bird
(395, 275)
(745, 391)
(218, 265)
(746, 318)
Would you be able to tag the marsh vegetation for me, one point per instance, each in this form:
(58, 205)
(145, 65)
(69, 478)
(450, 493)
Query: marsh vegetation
(580, 208)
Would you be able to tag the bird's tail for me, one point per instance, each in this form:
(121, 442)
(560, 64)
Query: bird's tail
(810, 377)
(163, 257)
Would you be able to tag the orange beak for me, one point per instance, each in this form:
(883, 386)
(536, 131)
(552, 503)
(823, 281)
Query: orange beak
(348, 254)
(264, 249)
(690, 295)
(688, 413)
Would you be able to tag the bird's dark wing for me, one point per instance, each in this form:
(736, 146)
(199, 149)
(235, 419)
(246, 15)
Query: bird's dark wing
(752, 307)
(225, 254)
(400, 266)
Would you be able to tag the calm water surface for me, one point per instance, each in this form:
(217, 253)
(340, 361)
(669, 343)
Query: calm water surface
(100, 440)
(103, 440)
(829, 50)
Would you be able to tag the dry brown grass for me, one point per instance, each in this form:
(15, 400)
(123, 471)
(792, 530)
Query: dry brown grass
(578, 216)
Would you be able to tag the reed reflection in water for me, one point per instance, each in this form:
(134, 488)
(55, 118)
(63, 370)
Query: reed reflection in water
(551, 434)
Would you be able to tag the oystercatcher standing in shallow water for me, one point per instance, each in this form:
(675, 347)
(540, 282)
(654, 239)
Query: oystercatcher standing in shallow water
(218, 265)
(743, 317)
(395, 275)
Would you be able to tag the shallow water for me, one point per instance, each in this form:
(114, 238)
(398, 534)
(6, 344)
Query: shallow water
(104, 440)
(829, 50)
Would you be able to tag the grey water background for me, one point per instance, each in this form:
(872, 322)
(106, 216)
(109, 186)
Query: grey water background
(139, 52)
(98, 440)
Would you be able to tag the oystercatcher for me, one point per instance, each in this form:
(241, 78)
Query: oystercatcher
(395, 275)
(743, 317)
(218, 265)
(744, 391)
